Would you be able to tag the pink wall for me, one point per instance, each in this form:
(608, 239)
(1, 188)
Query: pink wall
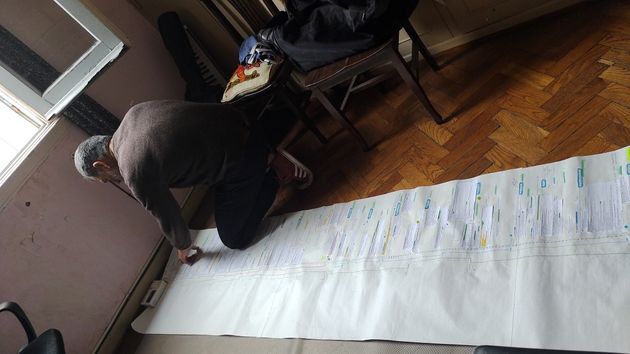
(72, 254)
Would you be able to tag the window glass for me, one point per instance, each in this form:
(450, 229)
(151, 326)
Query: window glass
(15, 132)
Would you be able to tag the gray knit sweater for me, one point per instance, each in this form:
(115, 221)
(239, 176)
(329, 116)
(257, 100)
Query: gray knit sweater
(173, 144)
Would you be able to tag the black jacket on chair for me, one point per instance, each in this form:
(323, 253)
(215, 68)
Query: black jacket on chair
(318, 32)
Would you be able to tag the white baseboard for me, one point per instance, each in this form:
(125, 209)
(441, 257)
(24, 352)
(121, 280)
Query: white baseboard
(509, 22)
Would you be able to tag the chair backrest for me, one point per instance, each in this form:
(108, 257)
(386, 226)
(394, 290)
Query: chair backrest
(49, 342)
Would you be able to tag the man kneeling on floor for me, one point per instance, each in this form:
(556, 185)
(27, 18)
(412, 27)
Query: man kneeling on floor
(173, 144)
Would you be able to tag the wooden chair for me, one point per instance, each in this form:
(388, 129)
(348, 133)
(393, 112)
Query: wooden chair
(319, 80)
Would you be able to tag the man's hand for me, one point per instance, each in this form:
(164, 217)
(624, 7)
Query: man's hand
(190, 260)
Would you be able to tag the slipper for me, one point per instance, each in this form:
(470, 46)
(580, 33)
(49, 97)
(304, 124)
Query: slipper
(300, 172)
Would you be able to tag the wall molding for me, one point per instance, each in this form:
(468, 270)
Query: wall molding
(464, 38)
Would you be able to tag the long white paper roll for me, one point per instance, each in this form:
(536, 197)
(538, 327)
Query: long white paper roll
(536, 257)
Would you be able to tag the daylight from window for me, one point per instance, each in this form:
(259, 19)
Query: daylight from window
(15, 133)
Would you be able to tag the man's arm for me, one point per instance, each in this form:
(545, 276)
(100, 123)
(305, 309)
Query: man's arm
(159, 201)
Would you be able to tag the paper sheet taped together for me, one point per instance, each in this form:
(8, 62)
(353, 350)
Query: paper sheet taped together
(535, 257)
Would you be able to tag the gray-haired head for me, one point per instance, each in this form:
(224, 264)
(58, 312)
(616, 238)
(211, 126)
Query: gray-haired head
(92, 149)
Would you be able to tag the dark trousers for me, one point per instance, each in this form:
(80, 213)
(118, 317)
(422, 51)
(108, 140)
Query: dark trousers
(246, 193)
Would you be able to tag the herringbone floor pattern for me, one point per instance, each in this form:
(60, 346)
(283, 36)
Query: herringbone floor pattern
(550, 89)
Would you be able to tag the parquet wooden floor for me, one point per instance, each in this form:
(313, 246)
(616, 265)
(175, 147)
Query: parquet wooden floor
(545, 91)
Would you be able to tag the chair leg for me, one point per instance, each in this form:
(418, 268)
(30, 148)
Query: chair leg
(415, 39)
(342, 106)
(340, 116)
(415, 68)
(303, 117)
(407, 76)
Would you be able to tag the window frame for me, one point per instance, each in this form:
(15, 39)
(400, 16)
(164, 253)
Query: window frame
(47, 107)
(74, 80)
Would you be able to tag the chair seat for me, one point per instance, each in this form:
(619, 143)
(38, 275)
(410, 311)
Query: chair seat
(319, 75)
